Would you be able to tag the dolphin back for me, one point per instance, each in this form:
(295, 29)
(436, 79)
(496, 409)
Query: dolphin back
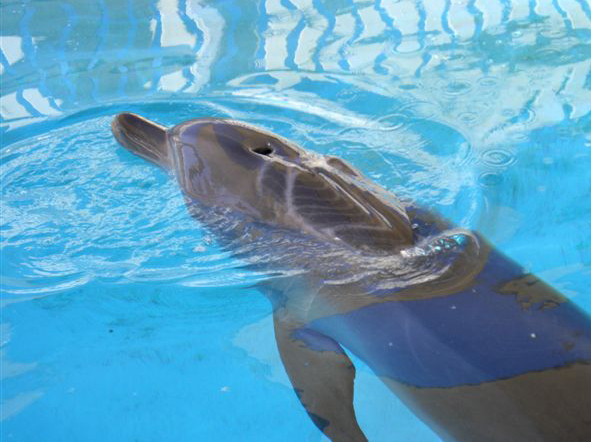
(142, 137)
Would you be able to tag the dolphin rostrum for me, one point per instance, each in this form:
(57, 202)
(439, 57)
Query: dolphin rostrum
(479, 349)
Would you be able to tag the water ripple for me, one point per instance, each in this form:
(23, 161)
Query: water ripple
(78, 208)
(456, 87)
(477, 109)
(498, 157)
(382, 80)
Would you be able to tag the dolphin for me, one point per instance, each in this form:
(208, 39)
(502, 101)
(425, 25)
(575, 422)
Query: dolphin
(475, 346)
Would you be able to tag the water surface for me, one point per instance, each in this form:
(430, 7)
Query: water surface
(122, 319)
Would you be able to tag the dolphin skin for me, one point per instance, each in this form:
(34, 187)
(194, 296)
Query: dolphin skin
(477, 348)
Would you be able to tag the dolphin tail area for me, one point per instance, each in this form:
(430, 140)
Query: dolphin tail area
(142, 137)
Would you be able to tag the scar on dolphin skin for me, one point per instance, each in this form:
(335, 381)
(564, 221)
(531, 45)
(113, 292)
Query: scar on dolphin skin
(528, 292)
(477, 348)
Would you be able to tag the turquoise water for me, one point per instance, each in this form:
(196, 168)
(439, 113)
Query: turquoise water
(122, 320)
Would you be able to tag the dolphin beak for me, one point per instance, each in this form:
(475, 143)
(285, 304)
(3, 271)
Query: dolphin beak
(142, 137)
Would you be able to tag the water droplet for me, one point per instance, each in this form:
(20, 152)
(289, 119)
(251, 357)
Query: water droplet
(457, 87)
(498, 157)
(488, 82)
(391, 122)
(469, 118)
(519, 137)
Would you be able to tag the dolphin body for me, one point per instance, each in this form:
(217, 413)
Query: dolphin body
(479, 349)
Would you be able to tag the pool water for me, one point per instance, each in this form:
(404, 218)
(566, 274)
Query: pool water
(121, 317)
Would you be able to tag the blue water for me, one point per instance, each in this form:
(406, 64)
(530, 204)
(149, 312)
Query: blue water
(121, 318)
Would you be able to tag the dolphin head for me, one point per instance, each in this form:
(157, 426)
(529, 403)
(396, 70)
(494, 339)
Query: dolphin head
(224, 162)
(230, 164)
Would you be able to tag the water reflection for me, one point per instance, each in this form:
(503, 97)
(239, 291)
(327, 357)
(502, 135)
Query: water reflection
(491, 72)
(436, 51)
(97, 52)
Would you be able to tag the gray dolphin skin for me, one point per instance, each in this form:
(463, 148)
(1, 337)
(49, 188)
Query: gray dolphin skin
(476, 347)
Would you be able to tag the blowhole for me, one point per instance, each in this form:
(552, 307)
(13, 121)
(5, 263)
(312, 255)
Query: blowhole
(265, 150)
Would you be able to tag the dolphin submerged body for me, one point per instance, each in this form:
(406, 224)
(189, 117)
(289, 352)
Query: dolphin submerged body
(476, 347)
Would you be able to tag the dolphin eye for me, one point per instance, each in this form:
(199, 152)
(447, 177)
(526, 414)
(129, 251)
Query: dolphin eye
(265, 150)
